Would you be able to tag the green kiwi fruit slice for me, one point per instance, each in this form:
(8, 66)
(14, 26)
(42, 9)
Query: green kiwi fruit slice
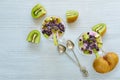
(34, 36)
(38, 11)
(72, 15)
(99, 28)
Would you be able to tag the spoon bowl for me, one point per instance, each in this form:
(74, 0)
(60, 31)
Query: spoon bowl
(70, 45)
(61, 48)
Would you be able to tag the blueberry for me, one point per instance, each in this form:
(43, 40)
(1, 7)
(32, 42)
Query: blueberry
(49, 27)
(84, 41)
(91, 47)
(94, 45)
(94, 40)
(61, 27)
(82, 49)
(48, 32)
(97, 48)
(88, 33)
(87, 47)
(91, 36)
(46, 25)
(43, 31)
(88, 44)
(90, 52)
(80, 39)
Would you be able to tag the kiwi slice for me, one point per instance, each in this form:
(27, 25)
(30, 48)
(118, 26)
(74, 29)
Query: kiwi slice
(99, 40)
(46, 36)
(80, 43)
(38, 11)
(34, 36)
(102, 29)
(99, 28)
(95, 51)
(85, 36)
(86, 52)
(55, 39)
(72, 15)
(100, 45)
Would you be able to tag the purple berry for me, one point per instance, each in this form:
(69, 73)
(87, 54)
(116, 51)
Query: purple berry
(97, 48)
(84, 41)
(87, 47)
(94, 40)
(90, 52)
(82, 49)
(43, 31)
(80, 39)
(61, 27)
(88, 33)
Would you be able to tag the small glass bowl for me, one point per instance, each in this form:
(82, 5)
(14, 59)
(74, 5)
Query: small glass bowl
(79, 48)
(51, 36)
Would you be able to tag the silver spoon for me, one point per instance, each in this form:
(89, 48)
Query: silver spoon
(70, 45)
(62, 49)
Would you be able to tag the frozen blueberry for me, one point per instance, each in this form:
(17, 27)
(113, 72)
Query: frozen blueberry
(87, 47)
(80, 39)
(97, 48)
(82, 49)
(61, 27)
(49, 27)
(94, 40)
(48, 32)
(84, 41)
(90, 52)
(43, 31)
(46, 25)
(91, 47)
(94, 45)
(88, 33)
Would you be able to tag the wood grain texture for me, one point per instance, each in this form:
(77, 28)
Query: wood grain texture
(20, 60)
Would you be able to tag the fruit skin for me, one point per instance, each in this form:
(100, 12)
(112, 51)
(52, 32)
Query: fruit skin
(112, 59)
(100, 28)
(36, 39)
(106, 63)
(38, 11)
(71, 16)
(101, 65)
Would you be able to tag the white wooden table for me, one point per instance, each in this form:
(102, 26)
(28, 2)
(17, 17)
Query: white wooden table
(20, 60)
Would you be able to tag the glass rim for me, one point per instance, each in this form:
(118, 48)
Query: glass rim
(78, 47)
(63, 22)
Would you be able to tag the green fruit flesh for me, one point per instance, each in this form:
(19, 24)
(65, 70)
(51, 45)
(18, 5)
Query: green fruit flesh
(100, 45)
(38, 11)
(80, 43)
(95, 51)
(85, 36)
(55, 39)
(34, 36)
(46, 36)
(72, 13)
(99, 28)
(86, 52)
